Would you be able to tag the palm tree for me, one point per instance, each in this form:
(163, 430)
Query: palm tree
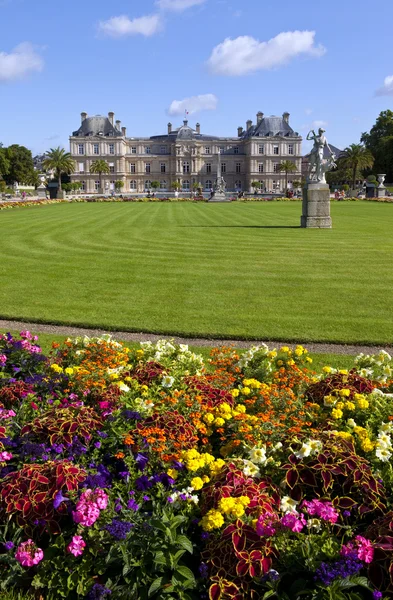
(287, 166)
(59, 161)
(100, 166)
(356, 156)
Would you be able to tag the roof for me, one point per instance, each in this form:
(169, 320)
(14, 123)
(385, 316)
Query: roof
(271, 127)
(97, 125)
(185, 132)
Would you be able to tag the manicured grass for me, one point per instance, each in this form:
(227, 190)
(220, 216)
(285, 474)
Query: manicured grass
(236, 270)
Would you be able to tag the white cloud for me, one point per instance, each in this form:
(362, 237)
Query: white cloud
(387, 88)
(21, 61)
(308, 111)
(122, 26)
(318, 124)
(245, 54)
(178, 5)
(193, 105)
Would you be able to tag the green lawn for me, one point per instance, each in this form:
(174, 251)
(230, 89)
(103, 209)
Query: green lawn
(226, 270)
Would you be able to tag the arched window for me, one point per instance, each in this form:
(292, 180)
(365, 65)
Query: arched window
(83, 188)
(133, 185)
(186, 185)
(208, 185)
(163, 185)
(238, 185)
(147, 184)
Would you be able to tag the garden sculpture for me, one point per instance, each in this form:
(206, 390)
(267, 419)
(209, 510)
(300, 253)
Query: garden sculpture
(318, 166)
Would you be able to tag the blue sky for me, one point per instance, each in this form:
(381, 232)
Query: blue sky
(325, 62)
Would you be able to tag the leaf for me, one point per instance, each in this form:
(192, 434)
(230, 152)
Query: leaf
(186, 573)
(184, 542)
(155, 586)
(162, 559)
(268, 594)
(177, 521)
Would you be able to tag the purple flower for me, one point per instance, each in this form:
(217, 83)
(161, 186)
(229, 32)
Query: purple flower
(143, 483)
(343, 568)
(119, 529)
(97, 444)
(132, 505)
(178, 465)
(8, 545)
(141, 461)
(98, 592)
(203, 570)
(377, 595)
(131, 415)
(146, 498)
(59, 498)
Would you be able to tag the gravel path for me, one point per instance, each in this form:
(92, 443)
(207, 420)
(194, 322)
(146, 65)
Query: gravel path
(126, 336)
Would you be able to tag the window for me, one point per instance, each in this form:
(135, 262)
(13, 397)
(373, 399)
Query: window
(147, 184)
(111, 167)
(133, 150)
(81, 148)
(275, 149)
(132, 168)
(81, 167)
(223, 167)
(236, 150)
(186, 167)
(207, 150)
(208, 167)
(238, 167)
(186, 185)
(111, 148)
(133, 185)
(83, 188)
(208, 185)
(96, 185)
(96, 148)
(147, 167)
(112, 185)
(222, 149)
(163, 149)
(290, 148)
(275, 167)
(260, 167)
(261, 149)
(238, 185)
(163, 184)
(163, 167)
(147, 149)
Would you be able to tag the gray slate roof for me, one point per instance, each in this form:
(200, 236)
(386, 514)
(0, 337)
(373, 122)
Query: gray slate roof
(97, 126)
(185, 132)
(270, 127)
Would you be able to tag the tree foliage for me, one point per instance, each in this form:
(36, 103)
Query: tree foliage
(380, 143)
(17, 163)
(357, 158)
(287, 166)
(59, 161)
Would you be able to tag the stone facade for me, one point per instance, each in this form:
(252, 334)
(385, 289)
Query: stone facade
(185, 155)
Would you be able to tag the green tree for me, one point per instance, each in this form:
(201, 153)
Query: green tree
(119, 185)
(256, 185)
(357, 158)
(21, 165)
(380, 143)
(99, 166)
(155, 185)
(4, 163)
(176, 185)
(59, 161)
(287, 166)
(297, 184)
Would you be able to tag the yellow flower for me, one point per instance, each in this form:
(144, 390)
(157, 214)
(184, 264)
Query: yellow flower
(216, 467)
(140, 353)
(340, 405)
(343, 372)
(56, 368)
(350, 406)
(367, 445)
(329, 401)
(309, 360)
(69, 371)
(219, 422)
(172, 473)
(197, 483)
(360, 431)
(246, 391)
(280, 363)
(327, 369)
(290, 362)
(285, 349)
(272, 354)
(345, 393)
(205, 479)
(212, 520)
(235, 393)
(299, 350)
(337, 413)
(241, 408)
(363, 404)
(208, 418)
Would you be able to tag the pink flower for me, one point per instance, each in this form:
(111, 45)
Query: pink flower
(89, 506)
(76, 546)
(28, 554)
(6, 414)
(101, 499)
(321, 508)
(3, 359)
(5, 456)
(293, 522)
(265, 525)
(365, 549)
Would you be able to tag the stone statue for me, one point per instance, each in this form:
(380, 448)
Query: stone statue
(318, 166)
(220, 185)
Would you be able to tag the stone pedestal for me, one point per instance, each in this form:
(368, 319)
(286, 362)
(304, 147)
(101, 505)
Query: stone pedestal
(316, 206)
(219, 197)
(41, 191)
(381, 192)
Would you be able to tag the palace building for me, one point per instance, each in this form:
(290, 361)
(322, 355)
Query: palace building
(185, 155)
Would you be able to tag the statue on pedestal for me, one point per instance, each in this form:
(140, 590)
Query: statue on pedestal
(220, 184)
(318, 165)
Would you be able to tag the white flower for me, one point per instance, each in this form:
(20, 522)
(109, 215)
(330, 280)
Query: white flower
(387, 427)
(258, 455)
(194, 498)
(183, 347)
(250, 470)
(383, 454)
(351, 423)
(278, 446)
(146, 345)
(314, 524)
(384, 440)
(123, 387)
(167, 381)
(309, 448)
(366, 373)
(288, 505)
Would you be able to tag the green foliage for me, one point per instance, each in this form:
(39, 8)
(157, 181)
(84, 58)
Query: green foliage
(176, 185)
(380, 142)
(155, 185)
(99, 166)
(20, 164)
(256, 185)
(59, 161)
(357, 157)
(119, 185)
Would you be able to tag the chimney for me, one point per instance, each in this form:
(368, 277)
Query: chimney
(249, 124)
(111, 117)
(169, 127)
(240, 131)
(124, 131)
(198, 128)
(259, 117)
(83, 116)
(286, 117)
(118, 125)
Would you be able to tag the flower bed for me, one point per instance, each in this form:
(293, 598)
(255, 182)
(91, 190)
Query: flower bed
(150, 473)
